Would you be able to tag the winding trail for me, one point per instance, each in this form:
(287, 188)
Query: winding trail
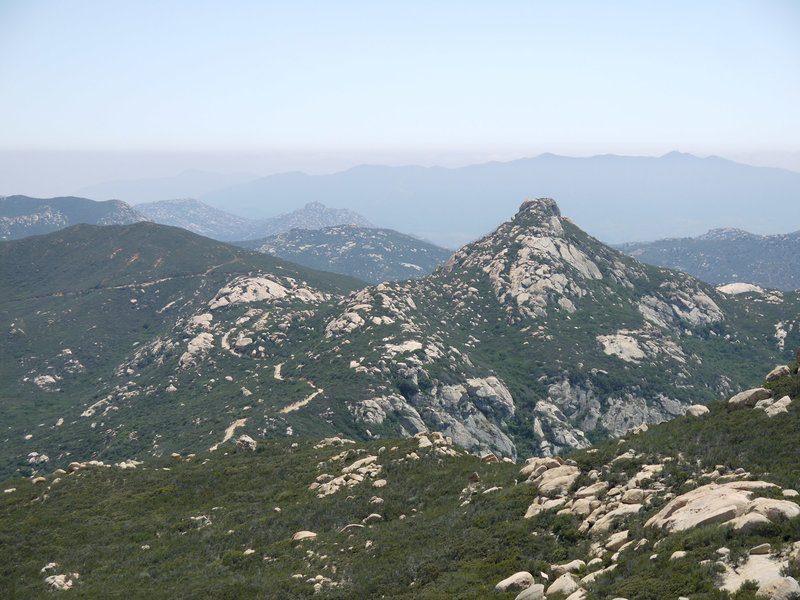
(229, 433)
(301, 403)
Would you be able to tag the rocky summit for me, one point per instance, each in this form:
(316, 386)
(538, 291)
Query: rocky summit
(533, 340)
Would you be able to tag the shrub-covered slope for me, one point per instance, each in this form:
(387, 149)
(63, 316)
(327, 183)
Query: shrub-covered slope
(419, 518)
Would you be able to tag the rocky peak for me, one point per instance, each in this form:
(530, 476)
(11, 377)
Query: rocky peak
(539, 207)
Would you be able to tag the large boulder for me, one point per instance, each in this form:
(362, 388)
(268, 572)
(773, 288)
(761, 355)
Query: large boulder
(778, 372)
(696, 410)
(775, 509)
(535, 592)
(516, 582)
(555, 480)
(780, 589)
(778, 407)
(748, 398)
(564, 585)
(712, 503)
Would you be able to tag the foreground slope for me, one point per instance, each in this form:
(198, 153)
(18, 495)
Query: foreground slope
(373, 255)
(21, 216)
(420, 518)
(533, 340)
(728, 256)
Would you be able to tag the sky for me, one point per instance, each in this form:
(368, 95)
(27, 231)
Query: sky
(97, 90)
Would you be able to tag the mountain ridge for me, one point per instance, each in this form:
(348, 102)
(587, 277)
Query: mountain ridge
(727, 255)
(21, 216)
(615, 195)
(203, 219)
(531, 341)
(371, 254)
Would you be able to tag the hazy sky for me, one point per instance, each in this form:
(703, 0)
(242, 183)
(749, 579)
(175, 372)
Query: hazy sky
(320, 85)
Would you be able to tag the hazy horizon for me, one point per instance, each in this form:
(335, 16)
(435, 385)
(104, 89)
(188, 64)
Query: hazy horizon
(68, 173)
(103, 92)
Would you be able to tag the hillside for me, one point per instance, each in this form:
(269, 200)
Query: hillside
(203, 219)
(727, 256)
(145, 340)
(617, 198)
(702, 507)
(373, 255)
(89, 307)
(21, 216)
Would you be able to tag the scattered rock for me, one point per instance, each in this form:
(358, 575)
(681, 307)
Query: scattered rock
(489, 458)
(58, 582)
(246, 444)
(200, 521)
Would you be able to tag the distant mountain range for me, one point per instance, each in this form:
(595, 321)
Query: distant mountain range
(727, 256)
(203, 219)
(187, 184)
(21, 216)
(617, 198)
(373, 255)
